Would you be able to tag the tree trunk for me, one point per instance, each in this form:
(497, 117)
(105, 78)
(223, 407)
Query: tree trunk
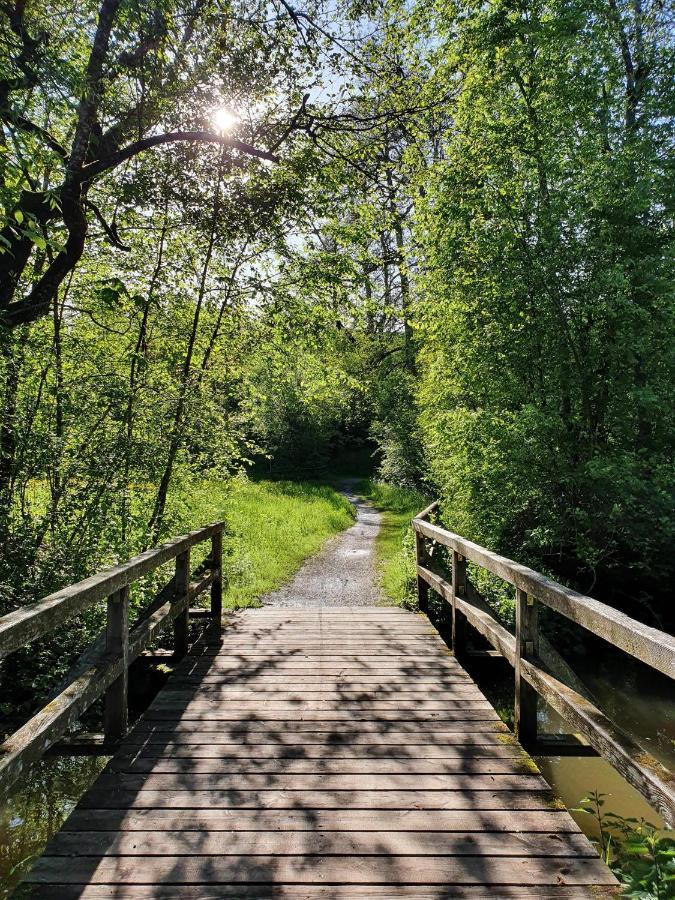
(157, 517)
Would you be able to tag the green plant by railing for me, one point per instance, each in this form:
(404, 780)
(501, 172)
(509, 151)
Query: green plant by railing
(641, 856)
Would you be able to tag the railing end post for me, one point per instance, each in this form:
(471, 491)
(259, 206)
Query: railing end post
(527, 647)
(217, 568)
(182, 588)
(116, 709)
(458, 589)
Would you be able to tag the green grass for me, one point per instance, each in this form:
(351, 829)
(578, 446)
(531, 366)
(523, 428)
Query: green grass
(272, 528)
(395, 545)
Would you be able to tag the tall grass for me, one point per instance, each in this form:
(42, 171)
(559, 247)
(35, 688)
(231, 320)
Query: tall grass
(272, 527)
(395, 546)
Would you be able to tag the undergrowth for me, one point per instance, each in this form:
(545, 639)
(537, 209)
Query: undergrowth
(395, 545)
(641, 856)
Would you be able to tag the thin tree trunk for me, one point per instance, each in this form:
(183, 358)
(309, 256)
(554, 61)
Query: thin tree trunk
(12, 351)
(140, 349)
(157, 517)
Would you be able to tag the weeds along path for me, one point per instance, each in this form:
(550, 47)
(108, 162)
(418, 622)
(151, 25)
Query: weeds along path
(343, 573)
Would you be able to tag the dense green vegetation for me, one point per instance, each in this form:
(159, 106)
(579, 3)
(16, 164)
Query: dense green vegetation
(641, 856)
(394, 546)
(234, 240)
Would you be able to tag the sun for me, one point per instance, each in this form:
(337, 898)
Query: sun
(224, 119)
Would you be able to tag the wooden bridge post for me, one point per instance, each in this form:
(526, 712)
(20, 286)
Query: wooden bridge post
(458, 589)
(182, 586)
(217, 585)
(116, 712)
(420, 559)
(527, 647)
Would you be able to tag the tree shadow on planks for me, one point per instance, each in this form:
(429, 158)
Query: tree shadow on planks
(203, 791)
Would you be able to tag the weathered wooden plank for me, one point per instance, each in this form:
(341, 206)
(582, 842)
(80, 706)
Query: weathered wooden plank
(651, 646)
(219, 694)
(189, 701)
(181, 622)
(299, 843)
(23, 625)
(346, 627)
(255, 781)
(464, 750)
(333, 658)
(163, 763)
(338, 646)
(315, 668)
(213, 713)
(319, 684)
(216, 561)
(322, 732)
(316, 892)
(98, 798)
(526, 647)
(311, 869)
(310, 819)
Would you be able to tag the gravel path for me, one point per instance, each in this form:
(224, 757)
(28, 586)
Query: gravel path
(343, 573)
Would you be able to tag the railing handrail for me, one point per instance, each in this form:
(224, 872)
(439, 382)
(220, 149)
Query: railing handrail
(27, 623)
(102, 668)
(651, 646)
(532, 676)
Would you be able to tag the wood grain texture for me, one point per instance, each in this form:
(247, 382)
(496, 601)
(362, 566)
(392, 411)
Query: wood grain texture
(374, 769)
(651, 646)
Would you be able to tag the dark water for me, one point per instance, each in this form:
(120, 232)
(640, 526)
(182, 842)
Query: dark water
(36, 810)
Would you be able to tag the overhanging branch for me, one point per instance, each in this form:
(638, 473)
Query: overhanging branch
(99, 166)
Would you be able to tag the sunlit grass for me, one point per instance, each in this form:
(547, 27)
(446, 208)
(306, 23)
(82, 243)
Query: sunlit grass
(273, 527)
(395, 544)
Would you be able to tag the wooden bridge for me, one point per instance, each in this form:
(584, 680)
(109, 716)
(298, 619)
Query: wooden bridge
(324, 753)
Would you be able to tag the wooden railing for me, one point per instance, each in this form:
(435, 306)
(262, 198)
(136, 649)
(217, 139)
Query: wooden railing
(103, 668)
(533, 677)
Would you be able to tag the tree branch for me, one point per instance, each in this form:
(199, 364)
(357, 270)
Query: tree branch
(97, 167)
(110, 230)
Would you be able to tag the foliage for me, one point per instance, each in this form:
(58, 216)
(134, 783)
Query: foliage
(395, 547)
(547, 336)
(272, 527)
(641, 856)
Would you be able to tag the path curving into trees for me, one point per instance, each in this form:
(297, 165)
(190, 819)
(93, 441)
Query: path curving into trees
(343, 573)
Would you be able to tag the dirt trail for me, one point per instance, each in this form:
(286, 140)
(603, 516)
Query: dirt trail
(343, 573)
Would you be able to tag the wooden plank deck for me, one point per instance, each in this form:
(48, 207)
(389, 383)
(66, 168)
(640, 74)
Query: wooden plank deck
(338, 753)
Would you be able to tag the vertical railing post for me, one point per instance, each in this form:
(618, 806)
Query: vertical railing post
(217, 583)
(420, 560)
(116, 714)
(180, 623)
(527, 641)
(458, 590)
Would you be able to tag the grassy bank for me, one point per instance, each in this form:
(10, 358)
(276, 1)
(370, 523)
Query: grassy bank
(272, 527)
(395, 545)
